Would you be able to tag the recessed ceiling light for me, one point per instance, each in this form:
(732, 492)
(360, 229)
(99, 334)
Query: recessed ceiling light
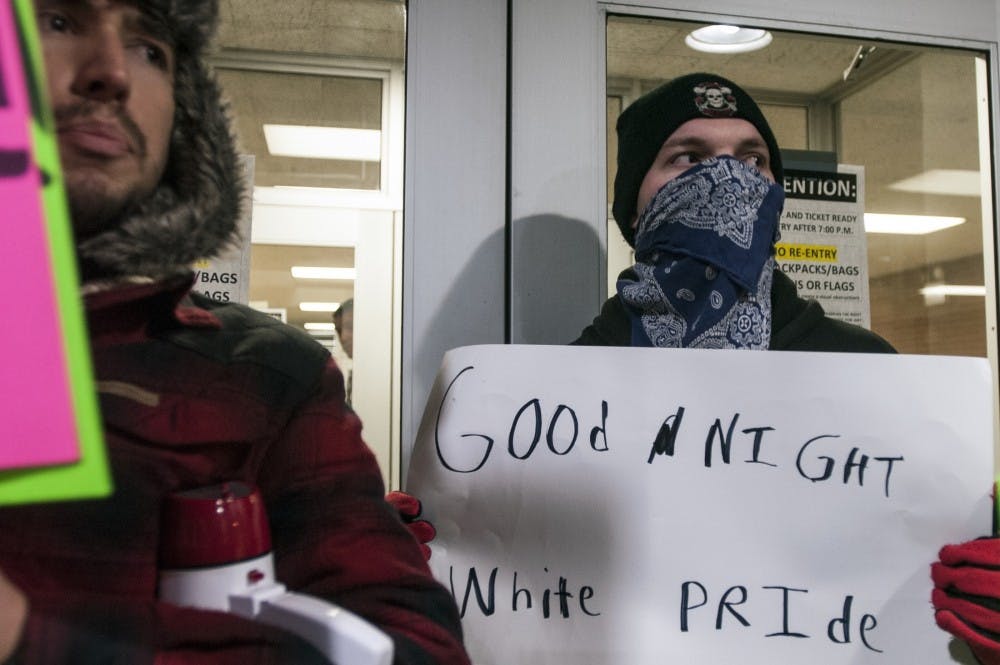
(317, 326)
(316, 272)
(908, 224)
(954, 182)
(323, 142)
(727, 39)
(319, 306)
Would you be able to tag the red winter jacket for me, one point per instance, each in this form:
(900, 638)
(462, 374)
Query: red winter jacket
(193, 395)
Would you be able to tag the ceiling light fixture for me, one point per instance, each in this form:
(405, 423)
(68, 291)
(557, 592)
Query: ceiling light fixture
(954, 182)
(319, 327)
(324, 142)
(316, 272)
(322, 197)
(727, 39)
(319, 306)
(908, 224)
(953, 290)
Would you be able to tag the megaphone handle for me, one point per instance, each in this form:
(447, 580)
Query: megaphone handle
(342, 636)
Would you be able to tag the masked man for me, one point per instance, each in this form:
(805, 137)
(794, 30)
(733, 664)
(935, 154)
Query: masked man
(698, 195)
(193, 392)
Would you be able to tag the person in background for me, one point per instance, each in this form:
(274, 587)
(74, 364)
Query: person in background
(343, 321)
(698, 195)
(193, 392)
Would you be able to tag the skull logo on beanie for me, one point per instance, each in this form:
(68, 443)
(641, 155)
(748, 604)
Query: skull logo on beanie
(651, 119)
(715, 100)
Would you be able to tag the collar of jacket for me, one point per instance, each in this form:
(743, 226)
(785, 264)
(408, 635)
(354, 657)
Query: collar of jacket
(791, 315)
(136, 311)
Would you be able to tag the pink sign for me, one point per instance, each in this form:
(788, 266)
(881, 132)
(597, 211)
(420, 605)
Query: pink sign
(36, 407)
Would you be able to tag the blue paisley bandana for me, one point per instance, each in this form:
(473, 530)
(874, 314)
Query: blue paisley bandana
(704, 261)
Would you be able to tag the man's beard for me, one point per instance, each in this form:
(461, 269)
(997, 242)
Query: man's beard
(93, 210)
(95, 206)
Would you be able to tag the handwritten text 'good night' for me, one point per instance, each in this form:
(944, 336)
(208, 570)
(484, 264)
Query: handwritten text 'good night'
(819, 457)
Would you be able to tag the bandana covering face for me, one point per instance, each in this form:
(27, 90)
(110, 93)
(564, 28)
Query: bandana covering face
(704, 261)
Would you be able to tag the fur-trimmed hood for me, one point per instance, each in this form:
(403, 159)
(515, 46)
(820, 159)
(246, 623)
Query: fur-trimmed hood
(193, 212)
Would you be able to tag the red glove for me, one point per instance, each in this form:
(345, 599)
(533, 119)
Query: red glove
(966, 595)
(409, 509)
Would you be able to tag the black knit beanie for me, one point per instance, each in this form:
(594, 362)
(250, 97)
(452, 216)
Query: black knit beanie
(650, 120)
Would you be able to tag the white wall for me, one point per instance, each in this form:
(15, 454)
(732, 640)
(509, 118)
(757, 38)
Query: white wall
(454, 201)
(374, 324)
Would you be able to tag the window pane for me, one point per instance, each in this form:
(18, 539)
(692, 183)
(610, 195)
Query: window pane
(316, 93)
(908, 116)
(332, 102)
(920, 121)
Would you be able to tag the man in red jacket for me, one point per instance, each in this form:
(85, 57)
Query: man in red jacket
(193, 392)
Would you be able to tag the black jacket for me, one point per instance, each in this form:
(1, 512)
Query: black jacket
(796, 325)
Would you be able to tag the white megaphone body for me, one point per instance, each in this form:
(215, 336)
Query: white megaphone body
(215, 554)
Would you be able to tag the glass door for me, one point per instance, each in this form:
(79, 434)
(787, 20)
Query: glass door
(317, 97)
(906, 99)
(902, 104)
(910, 121)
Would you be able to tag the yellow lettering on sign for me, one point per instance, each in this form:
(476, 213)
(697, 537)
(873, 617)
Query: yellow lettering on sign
(815, 253)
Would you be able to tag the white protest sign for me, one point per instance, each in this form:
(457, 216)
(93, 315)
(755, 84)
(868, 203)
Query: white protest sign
(615, 505)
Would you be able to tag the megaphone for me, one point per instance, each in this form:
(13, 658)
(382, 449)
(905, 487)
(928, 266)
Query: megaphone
(215, 554)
